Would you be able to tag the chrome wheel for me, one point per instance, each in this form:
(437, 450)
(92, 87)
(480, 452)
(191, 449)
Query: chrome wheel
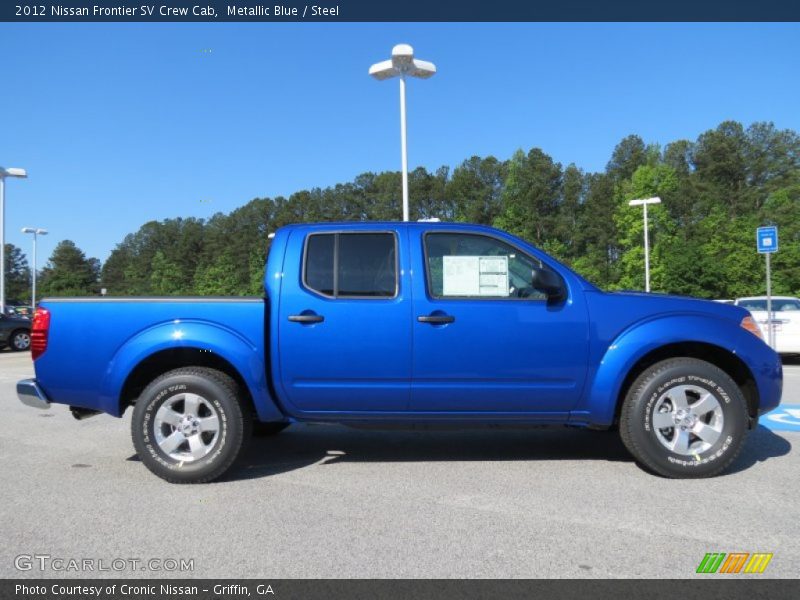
(688, 419)
(186, 427)
(22, 340)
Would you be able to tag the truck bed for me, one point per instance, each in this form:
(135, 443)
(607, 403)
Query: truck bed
(95, 344)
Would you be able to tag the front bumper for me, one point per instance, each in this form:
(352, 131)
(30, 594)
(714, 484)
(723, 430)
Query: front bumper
(30, 394)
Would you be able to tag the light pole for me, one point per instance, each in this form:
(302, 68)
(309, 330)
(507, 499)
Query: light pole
(11, 172)
(36, 232)
(402, 65)
(643, 203)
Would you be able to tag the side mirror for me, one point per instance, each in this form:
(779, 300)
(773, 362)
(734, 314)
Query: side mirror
(549, 283)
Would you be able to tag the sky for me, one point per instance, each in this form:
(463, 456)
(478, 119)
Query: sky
(120, 124)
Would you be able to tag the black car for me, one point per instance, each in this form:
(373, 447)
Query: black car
(15, 332)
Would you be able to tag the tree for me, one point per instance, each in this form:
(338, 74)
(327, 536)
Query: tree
(69, 272)
(573, 192)
(219, 278)
(782, 208)
(427, 196)
(531, 197)
(18, 275)
(629, 155)
(476, 189)
(596, 235)
(165, 277)
(647, 181)
(719, 158)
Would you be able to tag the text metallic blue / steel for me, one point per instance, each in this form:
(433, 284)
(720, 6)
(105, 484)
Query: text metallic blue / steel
(372, 359)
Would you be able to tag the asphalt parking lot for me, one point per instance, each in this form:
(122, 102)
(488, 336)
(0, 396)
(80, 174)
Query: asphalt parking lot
(328, 501)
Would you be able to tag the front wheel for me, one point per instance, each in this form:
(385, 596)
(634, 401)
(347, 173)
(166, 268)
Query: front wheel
(188, 425)
(684, 418)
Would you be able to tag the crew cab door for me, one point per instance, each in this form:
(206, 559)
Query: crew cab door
(484, 340)
(345, 322)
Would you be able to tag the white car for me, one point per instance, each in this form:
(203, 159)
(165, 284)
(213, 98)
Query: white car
(785, 320)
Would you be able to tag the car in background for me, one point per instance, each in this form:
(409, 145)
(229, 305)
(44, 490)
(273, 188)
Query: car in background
(725, 301)
(16, 308)
(20, 311)
(15, 332)
(785, 320)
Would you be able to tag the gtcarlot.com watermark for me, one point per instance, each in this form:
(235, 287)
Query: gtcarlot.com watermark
(62, 564)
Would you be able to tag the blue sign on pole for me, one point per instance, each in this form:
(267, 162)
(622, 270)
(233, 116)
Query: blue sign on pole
(767, 239)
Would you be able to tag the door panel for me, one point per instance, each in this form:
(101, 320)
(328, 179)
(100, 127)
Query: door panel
(506, 350)
(358, 357)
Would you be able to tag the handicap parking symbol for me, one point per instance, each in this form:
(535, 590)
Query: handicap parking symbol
(784, 418)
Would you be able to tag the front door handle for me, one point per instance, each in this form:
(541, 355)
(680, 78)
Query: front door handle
(306, 319)
(436, 319)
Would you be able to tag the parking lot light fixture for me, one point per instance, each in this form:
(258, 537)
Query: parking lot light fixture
(36, 232)
(402, 65)
(10, 172)
(643, 203)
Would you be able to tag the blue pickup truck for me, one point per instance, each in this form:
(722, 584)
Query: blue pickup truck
(408, 323)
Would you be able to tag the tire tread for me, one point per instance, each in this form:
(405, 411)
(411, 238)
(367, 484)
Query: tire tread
(227, 383)
(628, 422)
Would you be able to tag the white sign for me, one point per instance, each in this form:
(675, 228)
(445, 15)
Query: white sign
(475, 276)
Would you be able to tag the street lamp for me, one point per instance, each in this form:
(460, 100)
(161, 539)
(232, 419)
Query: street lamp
(644, 204)
(36, 232)
(402, 65)
(11, 172)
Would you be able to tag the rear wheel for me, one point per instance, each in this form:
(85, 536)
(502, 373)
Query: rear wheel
(684, 418)
(188, 425)
(20, 340)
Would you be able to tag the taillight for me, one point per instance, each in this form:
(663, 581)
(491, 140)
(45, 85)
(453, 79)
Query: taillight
(750, 324)
(39, 331)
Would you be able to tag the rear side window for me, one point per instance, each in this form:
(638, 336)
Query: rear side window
(319, 263)
(351, 265)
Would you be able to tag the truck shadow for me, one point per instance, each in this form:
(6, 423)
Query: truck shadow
(761, 445)
(305, 445)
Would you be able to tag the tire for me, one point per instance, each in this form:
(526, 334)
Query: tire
(189, 426)
(261, 429)
(677, 392)
(20, 340)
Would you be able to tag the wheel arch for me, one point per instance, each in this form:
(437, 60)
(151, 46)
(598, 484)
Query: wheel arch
(715, 340)
(170, 359)
(172, 345)
(718, 356)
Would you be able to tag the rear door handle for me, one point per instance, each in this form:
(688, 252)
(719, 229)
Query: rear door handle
(306, 318)
(436, 319)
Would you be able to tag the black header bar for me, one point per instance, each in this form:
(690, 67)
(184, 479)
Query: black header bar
(708, 587)
(328, 11)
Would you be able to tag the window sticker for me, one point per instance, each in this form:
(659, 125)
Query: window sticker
(475, 276)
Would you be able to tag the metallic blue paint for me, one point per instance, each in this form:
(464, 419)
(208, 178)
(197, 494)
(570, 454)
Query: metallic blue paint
(94, 345)
(370, 360)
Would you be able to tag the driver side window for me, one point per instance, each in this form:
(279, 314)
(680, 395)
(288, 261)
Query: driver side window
(464, 265)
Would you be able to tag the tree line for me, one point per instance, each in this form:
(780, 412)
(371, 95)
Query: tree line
(715, 191)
